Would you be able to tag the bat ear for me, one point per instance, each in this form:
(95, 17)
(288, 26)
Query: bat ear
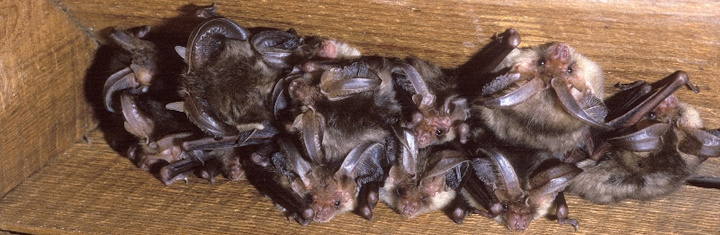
(202, 114)
(280, 100)
(208, 37)
(517, 96)
(338, 84)
(295, 159)
(362, 163)
(313, 127)
(421, 94)
(580, 110)
(701, 143)
(546, 184)
(646, 140)
(508, 176)
(409, 152)
(129, 39)
(457, 107)
(182, 52)
(441, 162)
(668, 86)
(275, 46)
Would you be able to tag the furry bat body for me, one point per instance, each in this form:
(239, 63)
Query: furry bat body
(654, 156)
(546, 97)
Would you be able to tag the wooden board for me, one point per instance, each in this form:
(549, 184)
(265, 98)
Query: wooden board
(43, 58)
(90, 189)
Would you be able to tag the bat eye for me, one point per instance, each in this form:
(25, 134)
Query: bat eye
(652, 115)
(541, 62)
(424, 198)
(569, 69)
(440, 132)
(399, 191)
(337, 204)
(505, 207)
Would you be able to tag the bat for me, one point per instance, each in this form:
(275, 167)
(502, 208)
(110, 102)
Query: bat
(436, 122)
(515, 189)
(427, 182)
(657, 151)
(228, 87)
(543, 97)
(139, 74)
(336, 116)
(330, 189)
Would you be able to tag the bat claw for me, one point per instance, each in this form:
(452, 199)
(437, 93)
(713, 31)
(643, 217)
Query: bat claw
(572, 222)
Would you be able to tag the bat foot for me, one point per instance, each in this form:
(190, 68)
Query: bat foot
(572, 222)
(366, 212)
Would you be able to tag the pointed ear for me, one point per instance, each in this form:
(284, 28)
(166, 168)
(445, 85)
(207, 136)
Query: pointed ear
(457, 107)
(336, 84)
(700, 143)
(363, 163)
(313, 127)
(280, 101)
(426, 99)
(645, 140)
(182, 52)
(409, 152)
(443, 161)
(506, 173)
(669, 85)
(203, 115)
(207, 38)
(275, 46)
(295, 159)
(545, 185)
(571, 105)
(440, 163)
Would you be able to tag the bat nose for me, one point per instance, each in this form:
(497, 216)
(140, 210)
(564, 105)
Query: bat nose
(560, 53)
(408, 208)
(323, 214)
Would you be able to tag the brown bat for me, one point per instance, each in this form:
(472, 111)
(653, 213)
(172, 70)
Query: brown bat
(139, 74)
(655, 154)
(428, 182)
(228, 87)
(444, 119)
(515, 189)
(338, 110)
(331, 189)
(545, 97)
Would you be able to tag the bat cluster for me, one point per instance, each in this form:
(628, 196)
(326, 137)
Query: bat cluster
(322, 130)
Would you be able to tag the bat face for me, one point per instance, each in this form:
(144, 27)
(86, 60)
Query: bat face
(411, 198)
(419, 184)
(333, 197)
(515, 193)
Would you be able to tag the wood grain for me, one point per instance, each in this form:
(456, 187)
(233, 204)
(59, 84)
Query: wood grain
(43, 58)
